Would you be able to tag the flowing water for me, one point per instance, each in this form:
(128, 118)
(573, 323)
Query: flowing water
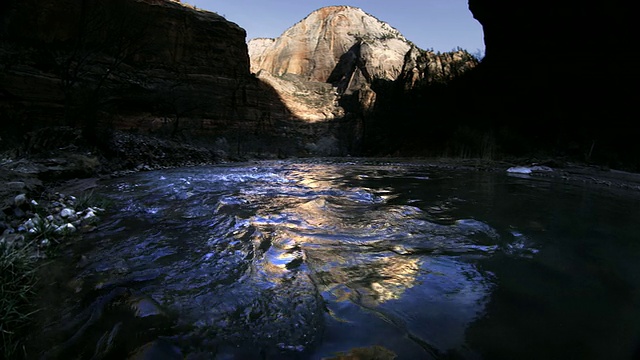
(307, 259)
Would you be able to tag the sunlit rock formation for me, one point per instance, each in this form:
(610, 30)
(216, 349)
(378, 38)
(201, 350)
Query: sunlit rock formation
(347, 48)
(315, 46)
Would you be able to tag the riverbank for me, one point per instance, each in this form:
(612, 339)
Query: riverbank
(46, 200)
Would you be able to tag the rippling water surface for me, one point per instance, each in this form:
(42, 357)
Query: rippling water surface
(308, 259)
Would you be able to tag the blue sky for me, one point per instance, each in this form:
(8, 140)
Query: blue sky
(438, 24)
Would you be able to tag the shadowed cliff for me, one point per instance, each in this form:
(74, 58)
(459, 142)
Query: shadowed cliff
(557, 79)
(156, 67)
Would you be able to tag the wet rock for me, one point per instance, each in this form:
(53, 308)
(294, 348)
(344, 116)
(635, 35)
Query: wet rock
(66, 229)
(143, 306)
(107, 342)
(117, 325)
(20, 200)
(373, 352)
(68, 214)
(87, 228)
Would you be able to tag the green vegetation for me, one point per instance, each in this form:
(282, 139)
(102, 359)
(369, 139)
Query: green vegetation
(17, 279)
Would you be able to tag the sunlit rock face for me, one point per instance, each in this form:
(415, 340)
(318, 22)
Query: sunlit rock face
(338, 45)
(315, 46)
(427, 67)
(349, 49)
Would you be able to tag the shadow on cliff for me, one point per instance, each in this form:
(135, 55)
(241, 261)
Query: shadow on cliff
(502, 108)
(555, 82)
(556, 79)
(114, 68)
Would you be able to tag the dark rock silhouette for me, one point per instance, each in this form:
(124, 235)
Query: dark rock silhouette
(558, 75)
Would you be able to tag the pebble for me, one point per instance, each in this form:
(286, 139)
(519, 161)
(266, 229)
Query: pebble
(90, 214)
(20, 200)
(66, 229)
(30, 224)
(66, 212)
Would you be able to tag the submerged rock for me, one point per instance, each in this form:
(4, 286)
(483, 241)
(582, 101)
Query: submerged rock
(114, 326)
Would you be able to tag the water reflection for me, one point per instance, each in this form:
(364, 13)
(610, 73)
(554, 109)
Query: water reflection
(291, 258)
(360, 245)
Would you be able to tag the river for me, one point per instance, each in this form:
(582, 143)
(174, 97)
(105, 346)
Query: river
(311, 258)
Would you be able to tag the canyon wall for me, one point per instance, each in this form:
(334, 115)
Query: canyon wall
(559, 76)
(155, 66)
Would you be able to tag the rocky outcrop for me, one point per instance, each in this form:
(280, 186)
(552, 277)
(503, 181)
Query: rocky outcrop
(312, 101)
(427, 67)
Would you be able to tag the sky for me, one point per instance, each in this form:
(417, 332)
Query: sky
(441, 25)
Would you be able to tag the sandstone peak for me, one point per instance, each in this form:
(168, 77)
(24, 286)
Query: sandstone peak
(326, 64)
(315, 45)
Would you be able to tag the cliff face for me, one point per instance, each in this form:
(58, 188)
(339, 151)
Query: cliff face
(315, 46)
(80, 41)
(565, 79)
(350, 50)
(150, 65)
(338, 45)
(422, 67)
